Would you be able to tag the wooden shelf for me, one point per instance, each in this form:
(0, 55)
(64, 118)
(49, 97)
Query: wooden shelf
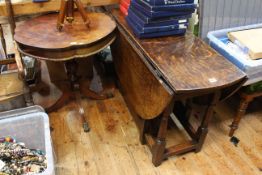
(23, 7)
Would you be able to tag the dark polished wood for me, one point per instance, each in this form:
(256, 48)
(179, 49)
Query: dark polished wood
(41, 32)
(68, 54)
(40, 39)
(155, 73)
(187, 63)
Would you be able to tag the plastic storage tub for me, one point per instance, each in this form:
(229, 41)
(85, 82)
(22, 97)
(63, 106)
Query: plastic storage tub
(31, 126)
(253, 68)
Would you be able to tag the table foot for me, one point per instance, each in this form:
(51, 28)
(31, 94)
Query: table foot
(64, 99)
(81, 111)
(240, 113)
(86, 127)
(96, 96)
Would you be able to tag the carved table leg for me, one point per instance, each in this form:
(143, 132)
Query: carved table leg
(143, 131)
(158, 148)
(203, 128)
(93, 95)
(64, 99)
(240, 113)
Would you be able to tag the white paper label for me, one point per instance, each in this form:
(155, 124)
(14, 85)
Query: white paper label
(182, 26)
(182, 21)
(2, 164)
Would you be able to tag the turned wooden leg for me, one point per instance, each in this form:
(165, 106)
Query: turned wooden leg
(61, 16)
(160, 143)
(143, 132)
(203, 128)
(240, 113)
(158, 148)
(82, 12)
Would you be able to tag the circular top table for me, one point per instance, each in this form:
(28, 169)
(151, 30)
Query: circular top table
(39, 37)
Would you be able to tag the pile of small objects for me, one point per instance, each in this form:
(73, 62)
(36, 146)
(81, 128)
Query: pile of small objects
(17, 159)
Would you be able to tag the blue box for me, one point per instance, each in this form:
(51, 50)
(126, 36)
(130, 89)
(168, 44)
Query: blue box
(168, 2)
(158, 28)
(172, 7)
(158, 14)
(145, 21)
(142, 34)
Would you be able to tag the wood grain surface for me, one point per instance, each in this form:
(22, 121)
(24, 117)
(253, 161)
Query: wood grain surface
(185, 62)
(140, 87)
(41, 32)
(113, 148)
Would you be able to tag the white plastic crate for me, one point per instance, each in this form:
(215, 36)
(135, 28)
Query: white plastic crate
(32, 129)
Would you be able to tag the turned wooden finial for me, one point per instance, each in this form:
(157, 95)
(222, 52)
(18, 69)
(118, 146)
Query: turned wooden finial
(67, 12)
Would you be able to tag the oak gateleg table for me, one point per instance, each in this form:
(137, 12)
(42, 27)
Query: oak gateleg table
(162, 76)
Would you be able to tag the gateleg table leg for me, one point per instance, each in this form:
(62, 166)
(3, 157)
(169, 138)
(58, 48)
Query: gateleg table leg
(203, 128)
(158, 148)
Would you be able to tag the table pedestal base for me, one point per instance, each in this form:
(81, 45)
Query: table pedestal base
(75, 90)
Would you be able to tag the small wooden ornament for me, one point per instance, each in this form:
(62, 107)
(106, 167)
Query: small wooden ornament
(67, 12)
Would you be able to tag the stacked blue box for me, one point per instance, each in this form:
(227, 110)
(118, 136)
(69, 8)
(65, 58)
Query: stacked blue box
(169, 2)
(155, 18)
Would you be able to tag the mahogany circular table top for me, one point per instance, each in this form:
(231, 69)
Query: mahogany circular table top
(40, 38)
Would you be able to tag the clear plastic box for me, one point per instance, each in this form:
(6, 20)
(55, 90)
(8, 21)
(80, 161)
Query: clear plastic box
(30, 126)
(253, 68)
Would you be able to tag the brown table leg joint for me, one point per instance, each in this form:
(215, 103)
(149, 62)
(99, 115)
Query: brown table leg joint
(158, 145)
(158, 151)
